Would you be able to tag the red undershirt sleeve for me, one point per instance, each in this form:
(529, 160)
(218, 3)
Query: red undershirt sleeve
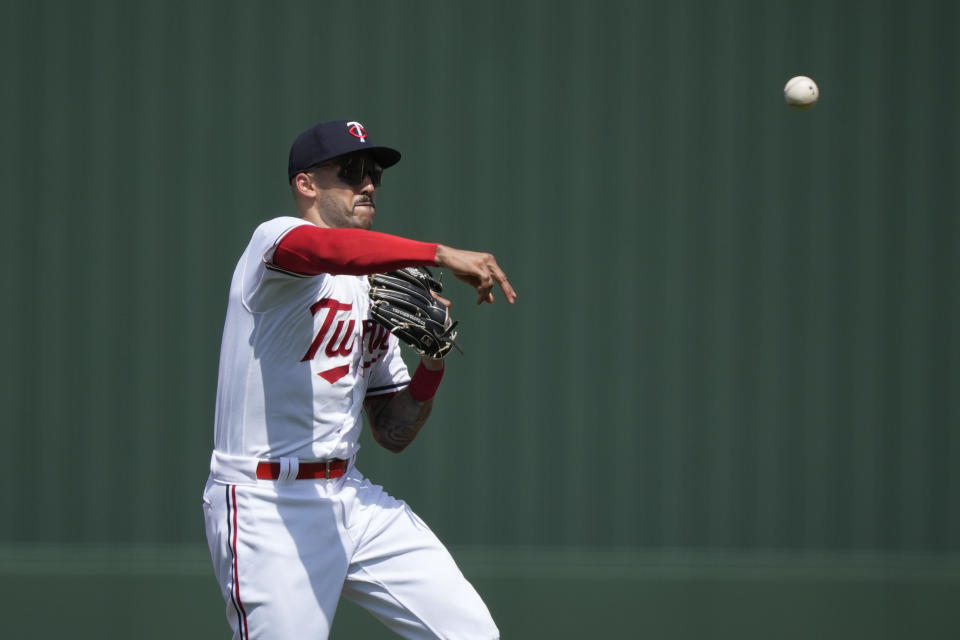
(310, 250)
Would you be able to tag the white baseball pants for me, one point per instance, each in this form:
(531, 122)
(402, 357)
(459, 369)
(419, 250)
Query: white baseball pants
(284, 551)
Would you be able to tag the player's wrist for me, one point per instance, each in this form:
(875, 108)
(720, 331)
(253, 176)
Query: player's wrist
(425, 381)
(433, 364)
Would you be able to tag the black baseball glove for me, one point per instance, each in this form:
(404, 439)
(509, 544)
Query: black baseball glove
(402, 301)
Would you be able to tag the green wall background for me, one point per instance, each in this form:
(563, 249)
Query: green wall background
(735, 342)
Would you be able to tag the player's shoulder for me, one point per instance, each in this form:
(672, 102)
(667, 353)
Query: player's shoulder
(270, 231)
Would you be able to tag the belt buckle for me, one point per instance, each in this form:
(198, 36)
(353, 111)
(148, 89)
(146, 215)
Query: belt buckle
(326, 469)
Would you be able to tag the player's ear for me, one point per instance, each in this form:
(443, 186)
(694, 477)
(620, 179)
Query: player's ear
(304, 185)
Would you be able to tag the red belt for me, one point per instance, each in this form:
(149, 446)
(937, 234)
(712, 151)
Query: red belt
(306, 470)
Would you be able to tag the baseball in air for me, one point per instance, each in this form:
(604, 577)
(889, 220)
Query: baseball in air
(801, 92)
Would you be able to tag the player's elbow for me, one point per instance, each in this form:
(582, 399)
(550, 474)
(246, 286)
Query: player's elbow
(391, 445)
(393, 440)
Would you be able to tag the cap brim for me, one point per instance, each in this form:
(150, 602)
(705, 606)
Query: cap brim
(385, 156)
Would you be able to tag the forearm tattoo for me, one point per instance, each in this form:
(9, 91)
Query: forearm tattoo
(396, 420)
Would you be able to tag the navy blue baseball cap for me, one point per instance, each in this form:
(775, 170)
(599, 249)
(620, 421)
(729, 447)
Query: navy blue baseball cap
(327, 140)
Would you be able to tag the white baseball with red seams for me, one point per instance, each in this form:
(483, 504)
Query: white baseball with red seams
(298, 357)
(801, 92)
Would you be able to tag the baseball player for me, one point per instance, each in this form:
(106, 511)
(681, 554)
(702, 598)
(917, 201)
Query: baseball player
(292, 524)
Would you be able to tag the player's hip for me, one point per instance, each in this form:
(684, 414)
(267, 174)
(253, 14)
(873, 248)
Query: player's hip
(230, 469)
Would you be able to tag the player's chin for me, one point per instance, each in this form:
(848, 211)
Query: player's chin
(363, 215)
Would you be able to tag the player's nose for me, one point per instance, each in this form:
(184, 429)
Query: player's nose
(367, 185)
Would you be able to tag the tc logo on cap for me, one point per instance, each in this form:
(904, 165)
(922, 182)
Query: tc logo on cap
(357, 131)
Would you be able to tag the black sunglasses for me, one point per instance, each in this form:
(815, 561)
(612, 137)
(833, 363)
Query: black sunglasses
(354, 168)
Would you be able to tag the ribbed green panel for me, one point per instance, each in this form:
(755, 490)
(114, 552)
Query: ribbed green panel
(531, 593)
(736, 325)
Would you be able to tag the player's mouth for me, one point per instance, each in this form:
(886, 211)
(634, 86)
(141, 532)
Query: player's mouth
(365, 203)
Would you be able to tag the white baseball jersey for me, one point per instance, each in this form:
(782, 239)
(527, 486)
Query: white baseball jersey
(299, 354)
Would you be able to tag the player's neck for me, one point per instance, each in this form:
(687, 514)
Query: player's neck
(312, 215)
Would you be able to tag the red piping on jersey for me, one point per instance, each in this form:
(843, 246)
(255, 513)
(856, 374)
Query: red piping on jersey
(310, 250)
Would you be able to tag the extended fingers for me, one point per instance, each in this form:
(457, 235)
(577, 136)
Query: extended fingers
(485, 289)
(494, 275)
(478, 269)
(505, 286)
